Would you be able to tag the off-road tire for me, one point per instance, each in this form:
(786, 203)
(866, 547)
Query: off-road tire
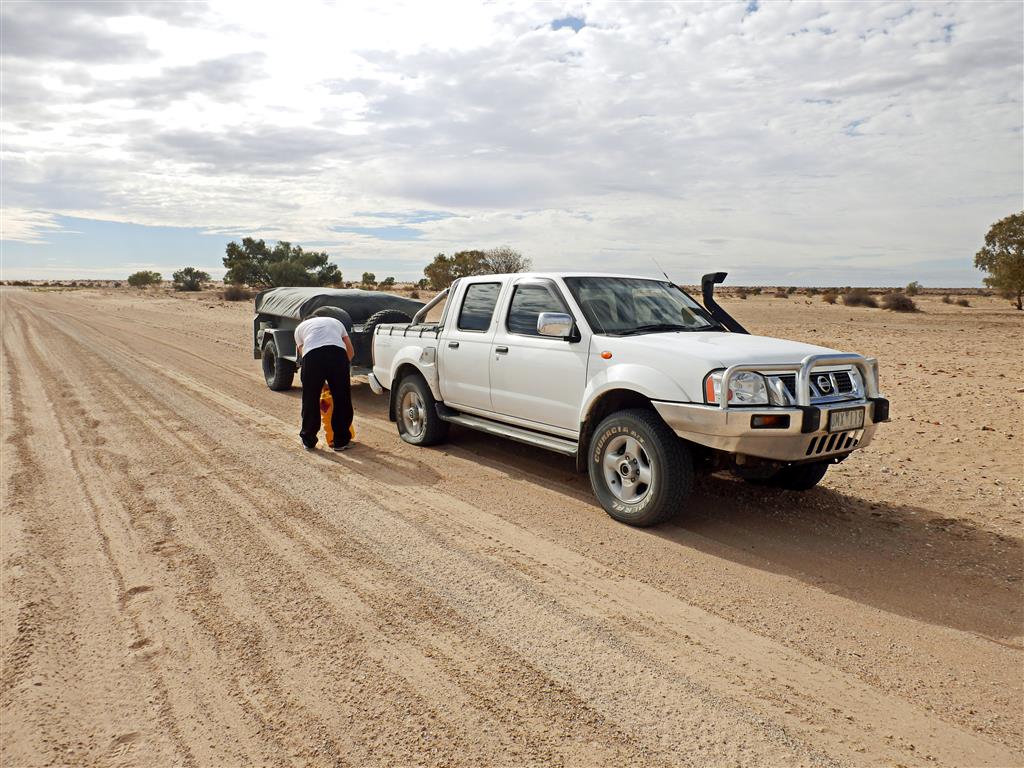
(667, 456)
(278, 372)
(427, 428)
(799, 477)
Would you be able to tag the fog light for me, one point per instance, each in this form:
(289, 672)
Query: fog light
(770, 421)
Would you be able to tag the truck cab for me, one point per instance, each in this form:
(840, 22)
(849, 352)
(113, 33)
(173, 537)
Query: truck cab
(626, 374)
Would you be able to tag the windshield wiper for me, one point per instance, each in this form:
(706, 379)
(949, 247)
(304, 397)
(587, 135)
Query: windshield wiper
(654, 328)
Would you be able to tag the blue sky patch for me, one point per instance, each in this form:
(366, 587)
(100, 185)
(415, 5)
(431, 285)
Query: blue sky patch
(574, 22)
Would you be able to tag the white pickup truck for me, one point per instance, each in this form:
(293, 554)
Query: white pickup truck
(633, 377)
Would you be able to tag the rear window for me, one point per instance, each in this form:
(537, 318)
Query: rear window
(478, 306)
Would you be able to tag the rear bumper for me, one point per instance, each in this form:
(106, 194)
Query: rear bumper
(805, 438)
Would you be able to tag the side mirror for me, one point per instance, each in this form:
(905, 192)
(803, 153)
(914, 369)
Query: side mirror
(554, 324)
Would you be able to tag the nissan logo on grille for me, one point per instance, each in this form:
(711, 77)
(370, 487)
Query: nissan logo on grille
(824, 384)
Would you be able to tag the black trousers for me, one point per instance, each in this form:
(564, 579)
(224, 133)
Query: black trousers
(330, 365)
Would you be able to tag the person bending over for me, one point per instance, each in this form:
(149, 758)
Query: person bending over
(326, 349)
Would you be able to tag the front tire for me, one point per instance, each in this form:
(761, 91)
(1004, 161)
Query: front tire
(416, 413)
(639, 470)
(278, 372)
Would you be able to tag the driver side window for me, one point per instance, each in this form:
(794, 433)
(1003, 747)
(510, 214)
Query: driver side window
(529, 300)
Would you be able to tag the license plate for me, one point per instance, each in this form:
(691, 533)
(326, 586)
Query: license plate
(848, 418)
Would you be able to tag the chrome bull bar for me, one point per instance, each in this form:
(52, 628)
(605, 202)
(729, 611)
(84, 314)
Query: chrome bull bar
(868, 367)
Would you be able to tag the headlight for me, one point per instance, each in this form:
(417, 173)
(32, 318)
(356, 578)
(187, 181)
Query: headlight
(745, 388)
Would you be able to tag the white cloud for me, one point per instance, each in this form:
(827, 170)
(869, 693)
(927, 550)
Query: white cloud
(800, 135)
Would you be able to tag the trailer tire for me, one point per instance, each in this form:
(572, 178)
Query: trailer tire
(416, 412)
(278, 372)
(639, 470)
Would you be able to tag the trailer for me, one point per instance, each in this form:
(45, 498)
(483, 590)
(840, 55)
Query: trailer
(278, 312)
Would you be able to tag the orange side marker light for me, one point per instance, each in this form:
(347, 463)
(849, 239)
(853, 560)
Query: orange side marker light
(606, 355)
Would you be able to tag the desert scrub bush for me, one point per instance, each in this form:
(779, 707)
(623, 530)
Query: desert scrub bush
(414, 294)
(913, 288)
(859, 297)
(755, 291)
(236, 293)
(144, 278)
(781, 293)
(963, 303)
(812, 291)
(829, 297)
(947, 299)
(898, 301)
(741, 293)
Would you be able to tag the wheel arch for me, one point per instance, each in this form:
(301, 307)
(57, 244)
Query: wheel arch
(403, 370)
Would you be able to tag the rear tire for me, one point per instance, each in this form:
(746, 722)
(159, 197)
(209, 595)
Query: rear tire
(416, 413)
(278, 372)
(639, 470)
(799, 477)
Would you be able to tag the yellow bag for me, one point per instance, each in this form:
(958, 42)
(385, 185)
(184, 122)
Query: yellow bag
(326, 409)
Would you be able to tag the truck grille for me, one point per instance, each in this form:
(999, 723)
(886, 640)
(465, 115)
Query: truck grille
(834, 443)
(844, 384)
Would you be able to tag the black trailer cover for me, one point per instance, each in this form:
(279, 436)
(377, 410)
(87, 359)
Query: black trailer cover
(298, 303)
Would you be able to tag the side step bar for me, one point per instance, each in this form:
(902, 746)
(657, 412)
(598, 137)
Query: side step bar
(547, 442)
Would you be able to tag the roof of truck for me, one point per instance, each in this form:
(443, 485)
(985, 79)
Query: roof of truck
(552, 275)
(299, 302)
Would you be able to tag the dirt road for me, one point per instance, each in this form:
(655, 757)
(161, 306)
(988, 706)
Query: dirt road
(182, 585)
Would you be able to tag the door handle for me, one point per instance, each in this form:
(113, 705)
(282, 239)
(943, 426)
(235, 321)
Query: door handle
(501, 350)
(453, 345)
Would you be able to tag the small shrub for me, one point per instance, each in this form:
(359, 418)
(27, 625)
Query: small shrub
(234, 292)
(859, 297)
(755, 291)
(947, 299)
(189, 279)
(913, 288)
(829, 297)
(898, 301)
(144, 278)
(963, 303)
(812, 291)
(781, 293)
(791, 290)
(741, 293)
(414, 294)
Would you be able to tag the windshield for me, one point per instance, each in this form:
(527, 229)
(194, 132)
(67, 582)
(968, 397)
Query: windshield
(619, 306)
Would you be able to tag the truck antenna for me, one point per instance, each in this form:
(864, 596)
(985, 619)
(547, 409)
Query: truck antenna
(661, 270)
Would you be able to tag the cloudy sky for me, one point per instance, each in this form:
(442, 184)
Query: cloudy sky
(794, 143)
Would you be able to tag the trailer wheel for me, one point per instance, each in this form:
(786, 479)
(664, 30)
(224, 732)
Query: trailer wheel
(277, 371)
(416, 413)
(639, 470)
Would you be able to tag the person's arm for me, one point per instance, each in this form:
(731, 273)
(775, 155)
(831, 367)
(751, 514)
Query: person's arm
(349, 349)
(298, 341)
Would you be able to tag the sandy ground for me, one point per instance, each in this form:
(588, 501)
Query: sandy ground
(182, 585)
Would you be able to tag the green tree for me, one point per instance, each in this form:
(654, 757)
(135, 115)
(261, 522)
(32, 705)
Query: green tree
(189, 279)
(144, 278)
(1003, 257)
(445, 270)
(387, 282)
(369, 278)
(913, 288)
(254, 263)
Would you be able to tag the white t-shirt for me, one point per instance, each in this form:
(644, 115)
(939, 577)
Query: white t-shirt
(320, 332)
